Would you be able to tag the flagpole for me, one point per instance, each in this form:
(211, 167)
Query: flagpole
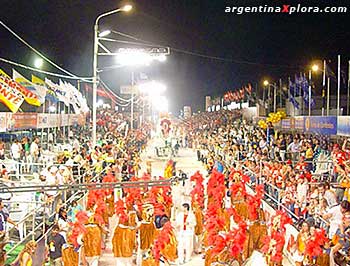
(281, 93)
(348, 93)
(323, 85)
(274, 97)
(310, 92)
(328, 88)
(338, 95)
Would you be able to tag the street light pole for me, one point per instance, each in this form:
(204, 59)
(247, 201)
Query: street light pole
(132, 101)
(94, 84)
(310, 92)
(126, 8)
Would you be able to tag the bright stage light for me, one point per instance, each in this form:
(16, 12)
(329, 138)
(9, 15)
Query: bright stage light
(160, 103)
(133, 58)
(152, 88)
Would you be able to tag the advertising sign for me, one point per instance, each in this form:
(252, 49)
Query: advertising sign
(326, 125)
(20, 121)
(42, 120)
(3, 124)
(343, 126)
(286, 124)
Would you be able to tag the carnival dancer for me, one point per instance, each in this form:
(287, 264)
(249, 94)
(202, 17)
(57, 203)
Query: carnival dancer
(165, 245)
(147, 234)
(124, 236)
(257, 229)
(185, 224)
(197, 195)
(93, 240)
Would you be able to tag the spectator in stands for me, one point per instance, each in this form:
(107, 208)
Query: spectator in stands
(35, 153)
(294, 149)
(329, 194)
(2, 150)
(335, 216)
(4, 217)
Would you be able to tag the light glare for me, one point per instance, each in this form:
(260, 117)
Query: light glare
(152, 88)
(38, 62)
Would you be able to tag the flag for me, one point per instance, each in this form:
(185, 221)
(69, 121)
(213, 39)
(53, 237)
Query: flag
(39, 91)
(293, 92)
(249, 89)
(329, 73)
(9, 94)
(59, 93)
(29, 96)
(50, 94)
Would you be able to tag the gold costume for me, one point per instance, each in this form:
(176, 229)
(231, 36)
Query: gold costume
(256, 233)
(147, 235)
(69, 256)
(169, 252)
(92, 240)
(198, 229)
(123, 241)
(110, 205)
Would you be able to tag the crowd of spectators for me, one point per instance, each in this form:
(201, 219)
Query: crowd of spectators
(117, 152)
(287, 163)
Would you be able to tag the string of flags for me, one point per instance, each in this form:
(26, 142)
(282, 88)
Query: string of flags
(17, 89)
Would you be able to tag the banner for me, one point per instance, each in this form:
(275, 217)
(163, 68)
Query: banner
(29, 96)
(64, 121)
(3, 123)
(42, 121)
(343, 126)
(326, 125)
(9, 95)
(39, 91)
(22, 121)
(286, 124)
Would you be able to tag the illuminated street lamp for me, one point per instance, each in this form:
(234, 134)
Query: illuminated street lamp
(314, 68)
(125, 8)
(266, 83)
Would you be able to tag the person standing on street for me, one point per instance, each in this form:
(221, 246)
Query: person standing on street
(185, 224)
(55, 242)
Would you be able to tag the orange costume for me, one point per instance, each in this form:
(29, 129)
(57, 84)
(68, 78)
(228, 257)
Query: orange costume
(92, 240)
(69, 256)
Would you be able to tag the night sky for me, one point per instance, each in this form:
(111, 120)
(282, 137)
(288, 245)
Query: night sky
(250, 46)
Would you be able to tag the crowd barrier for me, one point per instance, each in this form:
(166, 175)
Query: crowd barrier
(35, 224)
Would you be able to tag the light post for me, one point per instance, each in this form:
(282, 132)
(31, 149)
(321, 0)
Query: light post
(268, 85)
(126, 8)
(314, 68)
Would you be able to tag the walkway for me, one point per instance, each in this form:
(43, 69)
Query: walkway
(187, 162)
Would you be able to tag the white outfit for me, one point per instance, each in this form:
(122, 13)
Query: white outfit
(335, 220)
(93, 261)
(185, 237)
(16, 151)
